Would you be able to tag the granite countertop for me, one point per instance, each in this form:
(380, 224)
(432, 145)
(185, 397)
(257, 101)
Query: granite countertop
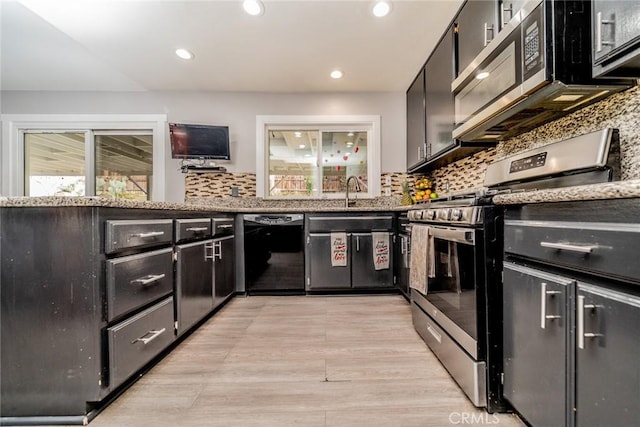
(607, 190)
(231, 205)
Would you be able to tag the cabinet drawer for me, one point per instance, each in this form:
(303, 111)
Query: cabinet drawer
(222, 226)
(587, 246)
(135, 280)
(125, 234)
(137, 340)
(350, 223)
(189, 229)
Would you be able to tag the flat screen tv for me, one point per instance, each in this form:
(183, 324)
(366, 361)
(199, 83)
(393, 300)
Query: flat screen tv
(199, 141)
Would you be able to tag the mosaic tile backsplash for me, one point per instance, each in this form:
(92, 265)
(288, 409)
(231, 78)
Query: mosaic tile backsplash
(621, 111)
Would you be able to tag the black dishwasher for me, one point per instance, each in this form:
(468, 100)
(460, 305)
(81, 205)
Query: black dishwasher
(274, 254)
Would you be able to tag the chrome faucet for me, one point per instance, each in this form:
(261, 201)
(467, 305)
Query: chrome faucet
(356, 186)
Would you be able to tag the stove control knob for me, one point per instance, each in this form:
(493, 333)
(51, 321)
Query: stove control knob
(456, 214)
(443, 214)
(430, 214)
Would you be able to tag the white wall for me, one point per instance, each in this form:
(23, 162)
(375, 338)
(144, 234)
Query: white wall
(238, 110)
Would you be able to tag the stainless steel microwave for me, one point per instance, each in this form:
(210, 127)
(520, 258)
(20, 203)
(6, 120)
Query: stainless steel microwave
(537, 69)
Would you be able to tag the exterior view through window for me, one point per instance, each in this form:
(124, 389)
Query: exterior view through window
(312, 162)
(56, 164)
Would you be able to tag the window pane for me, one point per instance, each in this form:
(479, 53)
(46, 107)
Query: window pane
(293, 163)
(54, 164)
(124, 166)
(343, 154)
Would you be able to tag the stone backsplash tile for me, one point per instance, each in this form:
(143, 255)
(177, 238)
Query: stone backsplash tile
(621, 111)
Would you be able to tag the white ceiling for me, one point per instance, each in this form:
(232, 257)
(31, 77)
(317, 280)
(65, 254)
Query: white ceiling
(111, 45)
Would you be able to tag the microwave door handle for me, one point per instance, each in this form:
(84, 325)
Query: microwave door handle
(455, 235)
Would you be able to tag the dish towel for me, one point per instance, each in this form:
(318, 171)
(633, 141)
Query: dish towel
(338, 249)
(422, 262)
(380, 250)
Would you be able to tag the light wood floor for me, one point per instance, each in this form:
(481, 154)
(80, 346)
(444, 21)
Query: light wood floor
(303, 361)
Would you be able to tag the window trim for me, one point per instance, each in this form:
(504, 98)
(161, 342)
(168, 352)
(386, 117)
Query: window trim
(14, 126)
(373, 146)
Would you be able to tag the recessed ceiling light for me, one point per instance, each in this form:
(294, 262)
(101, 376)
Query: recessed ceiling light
(336, 74)
(482, 75)
(298, 134)
(381, 8)
(301, 146)
(350, 134)
(184, 53)
(253, 7)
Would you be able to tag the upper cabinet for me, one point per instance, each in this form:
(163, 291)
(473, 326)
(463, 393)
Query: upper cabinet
(476, 26)
(416, 150)
(508, 9)
(439, 109)
(616, 38)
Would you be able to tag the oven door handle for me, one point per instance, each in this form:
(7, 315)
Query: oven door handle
(454, 234)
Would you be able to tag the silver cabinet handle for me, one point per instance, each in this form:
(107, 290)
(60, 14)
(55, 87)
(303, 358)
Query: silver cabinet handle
(580, 322)
(419, 152)
(403, 245)
(147, 235)
(487, 28)
(197, 229)
(584, 249)
(224, 226)
(599, 23)
(357, 243)
(434, 333)
(543, 305)
(209, 251)
(147, 339)
(217, 250)
(147, 280)
(502, 12)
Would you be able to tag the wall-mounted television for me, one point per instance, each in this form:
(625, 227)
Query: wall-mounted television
(199, 141)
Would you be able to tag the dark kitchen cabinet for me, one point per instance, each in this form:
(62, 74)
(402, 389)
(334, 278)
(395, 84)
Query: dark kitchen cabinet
(224, 267)
(416, 148)
(536, 333)
(439, 100)
(607, 355)
(476, 25)
(359, 272)
(321, 273)
(616, 38)
(569, 269)
(194, 283)
(508, 9)
(364, 236)
(363, 271)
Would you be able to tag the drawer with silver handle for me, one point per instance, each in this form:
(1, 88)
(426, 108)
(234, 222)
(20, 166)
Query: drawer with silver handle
(594, 247)
(137, 340)
(222, 226)
(190, 229)
(136, 280)
(126, 234)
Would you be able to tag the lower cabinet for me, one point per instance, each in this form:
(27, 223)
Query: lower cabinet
(360, 269)
(607, 356)
(194, 283)
(535, 345)
(137, 340)
(570, 350)
(224, 269)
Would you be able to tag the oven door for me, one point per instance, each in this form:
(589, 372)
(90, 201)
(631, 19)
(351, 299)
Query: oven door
(452, 294)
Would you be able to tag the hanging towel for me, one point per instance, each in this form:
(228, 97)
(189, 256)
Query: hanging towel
(421, 263)
(380, 250)
(338, 249)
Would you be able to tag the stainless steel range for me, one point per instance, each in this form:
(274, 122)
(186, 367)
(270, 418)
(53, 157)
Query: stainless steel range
(456, 258)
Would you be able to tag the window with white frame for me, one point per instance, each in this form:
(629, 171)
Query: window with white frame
(312, 156)
(85, 155)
